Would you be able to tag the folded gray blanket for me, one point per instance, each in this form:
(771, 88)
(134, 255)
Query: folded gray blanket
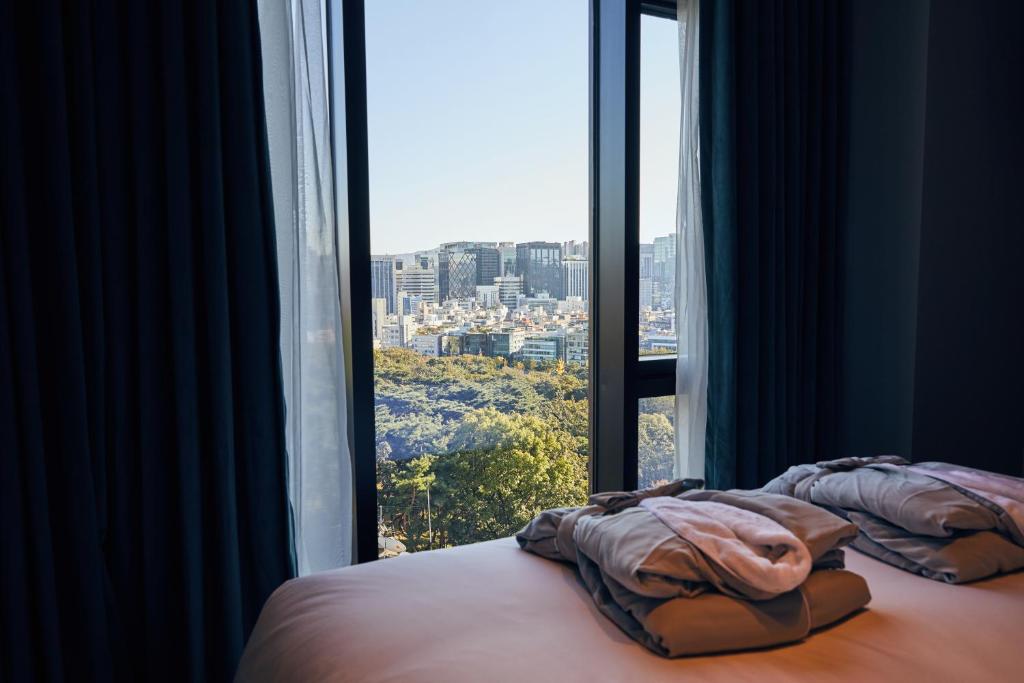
(668, 587)
(918, 518)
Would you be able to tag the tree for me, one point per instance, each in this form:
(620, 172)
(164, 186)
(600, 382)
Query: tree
(495, 443)
(655, 449)
(506, 469)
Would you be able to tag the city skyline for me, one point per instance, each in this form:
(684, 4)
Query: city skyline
(413, 252)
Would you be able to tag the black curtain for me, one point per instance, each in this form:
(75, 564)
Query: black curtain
(143, 504)
(772, 163)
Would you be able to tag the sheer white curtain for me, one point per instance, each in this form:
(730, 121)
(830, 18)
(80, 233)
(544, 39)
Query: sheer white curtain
(691, 285)
(295, 78)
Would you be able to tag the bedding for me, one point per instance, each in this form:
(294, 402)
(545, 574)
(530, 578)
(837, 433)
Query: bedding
(738, 562)
(490, 612)
(944, 522)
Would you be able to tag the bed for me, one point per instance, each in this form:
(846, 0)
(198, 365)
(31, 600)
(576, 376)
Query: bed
(491, 612)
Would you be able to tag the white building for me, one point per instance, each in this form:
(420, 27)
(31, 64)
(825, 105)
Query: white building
(418, 282)
(507, 258)
(398, 334)
(487, 296)
(379, 312)
(427, 344)
(509, 289)
(574, 248)
(577, 346)
(575, 277)
(540, 305)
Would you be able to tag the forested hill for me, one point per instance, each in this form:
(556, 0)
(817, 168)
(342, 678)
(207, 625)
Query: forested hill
(420, 400)
(494, 443)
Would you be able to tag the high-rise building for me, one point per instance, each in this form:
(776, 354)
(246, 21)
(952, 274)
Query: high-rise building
(417, 281)
(488, 264)
(464, 265)
(540, 266)
(646, 261)
(575, 277)
(665, 259)
(509, 289)
(456, 277)
(507, 256)
(382, 280)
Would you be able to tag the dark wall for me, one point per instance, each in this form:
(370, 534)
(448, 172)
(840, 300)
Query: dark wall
(886, 96)
(934, 303)
(969, 389)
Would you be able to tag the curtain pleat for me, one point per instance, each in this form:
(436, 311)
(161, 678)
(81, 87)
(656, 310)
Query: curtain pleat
(144, 477)
(771, 139)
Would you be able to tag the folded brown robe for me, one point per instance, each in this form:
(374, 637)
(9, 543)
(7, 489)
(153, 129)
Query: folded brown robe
(911, 520)
(628, 546)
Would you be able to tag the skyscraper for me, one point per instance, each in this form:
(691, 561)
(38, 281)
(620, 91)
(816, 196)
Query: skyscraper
(575, 277)
(665, 258)
(540, 266)
(646, 260)
(464, 265)
(456, 274)
(664, 271)
(488, 264)
(507, 256)
(382, 280)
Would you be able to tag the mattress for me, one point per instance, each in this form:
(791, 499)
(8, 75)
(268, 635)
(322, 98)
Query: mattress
(491, 612)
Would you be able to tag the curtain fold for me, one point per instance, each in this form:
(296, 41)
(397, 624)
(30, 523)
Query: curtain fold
(296, 78)
(772, 133)
(691, 283)
(142, 471)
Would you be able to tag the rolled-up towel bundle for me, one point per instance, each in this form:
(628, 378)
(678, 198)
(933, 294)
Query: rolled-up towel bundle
(946, 522)
(697, 572)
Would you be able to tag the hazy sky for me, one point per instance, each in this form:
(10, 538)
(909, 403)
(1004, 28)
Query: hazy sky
(478, 122)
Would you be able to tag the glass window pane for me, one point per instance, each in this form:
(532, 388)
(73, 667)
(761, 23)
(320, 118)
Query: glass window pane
(478, 142)
(656, 442)
(659, 173)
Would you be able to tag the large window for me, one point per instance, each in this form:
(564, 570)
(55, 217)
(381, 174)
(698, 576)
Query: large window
(478, 183)
(659, 179)
(497, 200)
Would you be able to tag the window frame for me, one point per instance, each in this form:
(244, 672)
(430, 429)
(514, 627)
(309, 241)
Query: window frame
(619, 376)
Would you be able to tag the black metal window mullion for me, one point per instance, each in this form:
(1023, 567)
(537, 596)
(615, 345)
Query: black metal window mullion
(614, 241)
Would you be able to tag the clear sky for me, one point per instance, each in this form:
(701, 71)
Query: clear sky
(478, 122)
